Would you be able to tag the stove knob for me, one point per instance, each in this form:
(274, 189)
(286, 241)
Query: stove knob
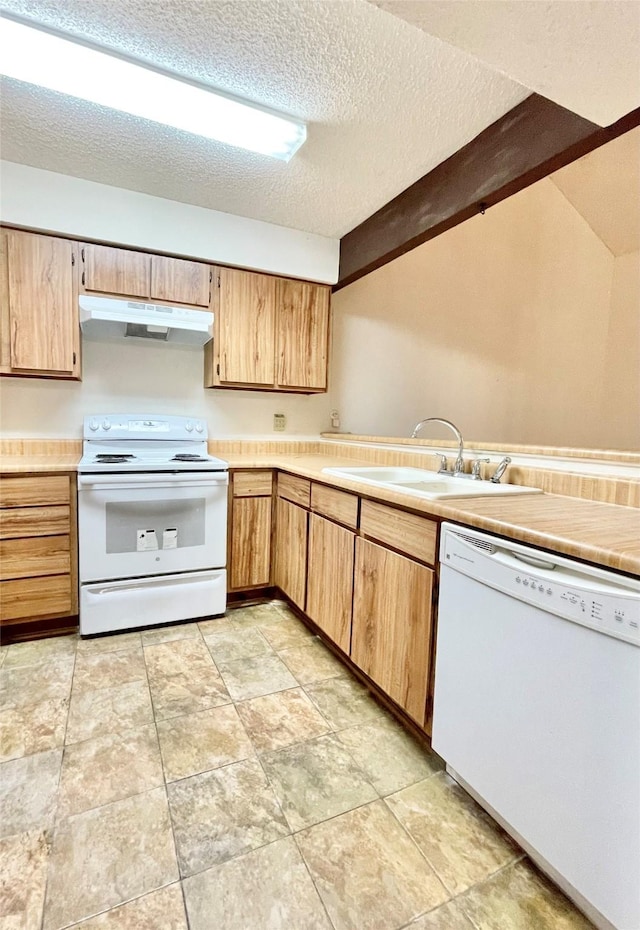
(93, 424)
(188, 426)
(199, 427)
(106, 424)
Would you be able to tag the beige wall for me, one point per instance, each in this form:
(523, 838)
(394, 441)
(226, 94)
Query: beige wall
(520, 326)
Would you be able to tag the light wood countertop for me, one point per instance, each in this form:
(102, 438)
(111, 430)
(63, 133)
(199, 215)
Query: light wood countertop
(605, 534)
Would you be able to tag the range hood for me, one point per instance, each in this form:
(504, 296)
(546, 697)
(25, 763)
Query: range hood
(108, 319)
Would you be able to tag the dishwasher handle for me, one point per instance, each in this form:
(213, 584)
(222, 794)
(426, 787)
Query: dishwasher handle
(534, 561)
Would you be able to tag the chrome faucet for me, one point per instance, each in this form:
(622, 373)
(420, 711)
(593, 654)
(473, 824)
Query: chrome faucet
(500, 470)
(458, 467)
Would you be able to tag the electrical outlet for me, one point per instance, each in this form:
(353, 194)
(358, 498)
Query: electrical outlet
(335, 419)
(279, 422)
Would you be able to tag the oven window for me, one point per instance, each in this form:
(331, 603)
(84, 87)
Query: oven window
(135, 526)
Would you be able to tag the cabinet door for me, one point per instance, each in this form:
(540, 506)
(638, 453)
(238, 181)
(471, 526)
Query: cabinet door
(250, 542)
(177, 281)
(40, 316)
(245, 328)
(303, 332)
(290, 570)
(115, 271)
(392, 624)
(330, 579)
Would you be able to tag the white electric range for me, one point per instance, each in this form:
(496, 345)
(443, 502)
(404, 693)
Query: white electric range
(152, 523)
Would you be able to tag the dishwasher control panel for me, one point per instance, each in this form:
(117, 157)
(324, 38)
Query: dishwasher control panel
(592, 597)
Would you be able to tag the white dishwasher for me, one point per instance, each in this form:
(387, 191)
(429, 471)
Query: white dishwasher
(537, 710)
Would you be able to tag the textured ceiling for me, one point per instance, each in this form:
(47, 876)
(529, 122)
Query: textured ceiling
(385, 104)
(582, 54)
(604, 187)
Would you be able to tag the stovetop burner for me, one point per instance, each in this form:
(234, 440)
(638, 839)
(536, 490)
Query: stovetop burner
(105, 459)
(188, 457)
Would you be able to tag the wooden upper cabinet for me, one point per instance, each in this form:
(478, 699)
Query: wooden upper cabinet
(303, 334)
(106, 270)
(40, 323)
(245, 327)
(175, 280)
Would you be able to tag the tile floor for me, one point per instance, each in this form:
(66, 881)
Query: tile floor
(231, 775)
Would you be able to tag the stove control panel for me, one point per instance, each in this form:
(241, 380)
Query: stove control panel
(136, 426)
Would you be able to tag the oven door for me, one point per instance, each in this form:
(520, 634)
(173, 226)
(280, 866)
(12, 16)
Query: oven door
(134, 525)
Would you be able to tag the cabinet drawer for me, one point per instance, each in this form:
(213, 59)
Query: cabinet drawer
(34, 521)
(252, 483)
(415, 536)
(27, 558)
(297, 490)
(337, 505)
(32, 492)
(35, 597)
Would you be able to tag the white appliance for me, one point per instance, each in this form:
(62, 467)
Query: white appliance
(108, 319)
(152, 523)
(537, 710)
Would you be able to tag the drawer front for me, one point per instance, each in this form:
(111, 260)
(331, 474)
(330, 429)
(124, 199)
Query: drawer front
(297, 490)
(33, 492)
(337, 505)
(35, 597)
(34, 521)
(412, 535)
(27, 558)
(252, 483)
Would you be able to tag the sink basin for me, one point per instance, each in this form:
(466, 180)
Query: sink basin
(428, 484)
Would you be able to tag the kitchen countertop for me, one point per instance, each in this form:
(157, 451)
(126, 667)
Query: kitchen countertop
(604, 534)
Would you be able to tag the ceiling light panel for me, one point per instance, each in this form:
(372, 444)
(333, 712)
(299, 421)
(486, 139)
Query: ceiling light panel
(48, 60)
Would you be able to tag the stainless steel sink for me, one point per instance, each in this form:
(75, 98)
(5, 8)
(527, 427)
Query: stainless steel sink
(428, 484)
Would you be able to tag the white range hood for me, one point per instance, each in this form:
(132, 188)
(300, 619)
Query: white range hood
(108, 319)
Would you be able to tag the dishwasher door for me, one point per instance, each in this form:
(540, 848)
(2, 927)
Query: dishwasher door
(537, 710)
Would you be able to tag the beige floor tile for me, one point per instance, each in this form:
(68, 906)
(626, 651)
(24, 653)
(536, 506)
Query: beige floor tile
(23, 876)
(108, 670)
(274, 721)
(215, 625)
(187, 692)
(32, 728)
(32, 684)
(176, 657)
(3, 654)
(448, 916)
(40, 651)
(313, 662)
(316, 780)
(221, 814)
(520, 898)
(249, 678)
(257, 615)
(344, 702)
(170, 633)
(28, 792)
(109, 768)
(287, 633)
(199, 742)
(116, 642)
(230, 645)
(368, 871)
(267, 889)
(161, 910)
(390, 757)
(462, 843)
(109, 710)
(106, 856)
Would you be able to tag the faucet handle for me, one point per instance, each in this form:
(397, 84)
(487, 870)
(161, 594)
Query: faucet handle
(475, 468)
(443, 462)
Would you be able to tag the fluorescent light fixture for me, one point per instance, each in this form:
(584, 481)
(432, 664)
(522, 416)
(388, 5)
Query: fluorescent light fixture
(71, 67)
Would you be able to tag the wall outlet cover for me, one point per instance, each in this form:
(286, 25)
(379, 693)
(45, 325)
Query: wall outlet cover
(279, 422)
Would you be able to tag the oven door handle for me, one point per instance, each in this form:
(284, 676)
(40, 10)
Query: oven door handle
(98, 482)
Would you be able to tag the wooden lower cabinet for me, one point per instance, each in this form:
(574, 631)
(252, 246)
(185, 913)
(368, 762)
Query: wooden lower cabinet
(330, 579)
(250, 550)
(290, 568)
(391, 630)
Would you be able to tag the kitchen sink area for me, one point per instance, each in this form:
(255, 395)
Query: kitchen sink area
(420, 482)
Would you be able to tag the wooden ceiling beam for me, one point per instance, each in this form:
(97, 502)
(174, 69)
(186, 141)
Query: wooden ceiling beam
(528, 143)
